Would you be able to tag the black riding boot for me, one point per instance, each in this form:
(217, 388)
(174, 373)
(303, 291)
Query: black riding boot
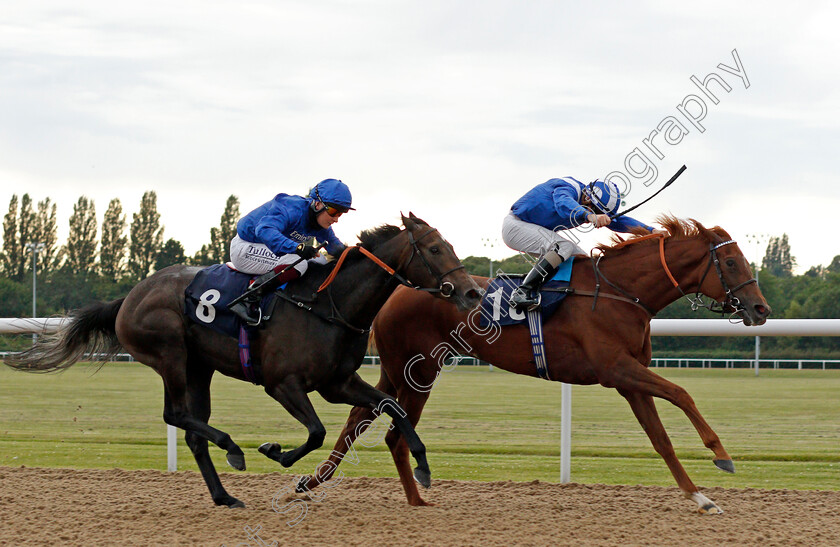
(527, 295)
(247, 306)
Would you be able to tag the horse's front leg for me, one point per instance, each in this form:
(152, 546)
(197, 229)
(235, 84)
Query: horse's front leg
(636, 377)
(645, 411)
(291, 395)
(356, 392)
(357, 423)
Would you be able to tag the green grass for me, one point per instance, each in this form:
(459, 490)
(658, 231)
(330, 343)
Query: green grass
(782, 428)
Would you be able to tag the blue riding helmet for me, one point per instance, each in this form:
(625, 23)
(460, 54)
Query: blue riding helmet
(605, 196)
(333, 192)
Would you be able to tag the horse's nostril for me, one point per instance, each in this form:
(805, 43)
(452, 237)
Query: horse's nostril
(475, 294)
(762, 310)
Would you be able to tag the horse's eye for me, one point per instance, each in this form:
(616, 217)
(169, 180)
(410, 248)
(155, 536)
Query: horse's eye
(434, 250)
(730, 262)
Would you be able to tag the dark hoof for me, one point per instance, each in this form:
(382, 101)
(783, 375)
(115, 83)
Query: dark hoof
(237, 461)
(271, 450)
(725, 465)
(423, 477)
(275, 452)
(230, 502)
(303, 484)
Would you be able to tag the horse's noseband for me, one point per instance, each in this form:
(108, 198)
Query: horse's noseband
(445, 288)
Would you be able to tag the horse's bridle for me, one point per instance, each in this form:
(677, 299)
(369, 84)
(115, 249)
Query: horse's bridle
(731, 301)
(445, 288)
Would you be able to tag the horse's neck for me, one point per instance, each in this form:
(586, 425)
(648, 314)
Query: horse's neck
(640, 271)
(364, 287)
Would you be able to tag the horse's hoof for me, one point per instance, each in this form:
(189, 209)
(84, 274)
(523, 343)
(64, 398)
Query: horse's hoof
(420, 502)
(705, 506)
(710, 509)
(237, 461)
(230, 502)
(269, 450)
(423, 477)
(725, 465)
(303, 484)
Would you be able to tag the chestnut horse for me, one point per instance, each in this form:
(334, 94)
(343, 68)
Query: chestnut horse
(606, 341)
(298, 351)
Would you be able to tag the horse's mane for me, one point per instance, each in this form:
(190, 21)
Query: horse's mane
(371, 239)
(374, 237)
(678, 228)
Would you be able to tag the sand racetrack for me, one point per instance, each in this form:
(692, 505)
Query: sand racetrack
(116, 507)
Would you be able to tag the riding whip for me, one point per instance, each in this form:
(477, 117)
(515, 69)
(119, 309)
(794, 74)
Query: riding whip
(671, 180)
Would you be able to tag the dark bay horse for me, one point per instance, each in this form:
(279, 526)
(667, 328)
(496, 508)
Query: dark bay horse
(609, 345)
(298, 351)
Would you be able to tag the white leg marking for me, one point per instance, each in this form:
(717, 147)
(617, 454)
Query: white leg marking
(704, 505)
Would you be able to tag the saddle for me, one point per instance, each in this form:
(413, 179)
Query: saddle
(496, 307)
(207, 298)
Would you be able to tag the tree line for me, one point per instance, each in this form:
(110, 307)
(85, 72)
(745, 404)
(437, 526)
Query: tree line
(97, 262)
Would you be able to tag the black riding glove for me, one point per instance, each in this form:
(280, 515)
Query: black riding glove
(306, 252)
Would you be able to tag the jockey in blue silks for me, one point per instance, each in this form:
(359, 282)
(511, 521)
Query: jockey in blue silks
(269, 240)
(559, 204)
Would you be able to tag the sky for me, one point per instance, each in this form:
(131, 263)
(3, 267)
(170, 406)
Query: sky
(449, 109)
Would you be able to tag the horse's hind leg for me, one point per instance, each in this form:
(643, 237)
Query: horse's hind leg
(413, 403)
(156, 338)
(198, 402)
(176, 412)
(292, 396)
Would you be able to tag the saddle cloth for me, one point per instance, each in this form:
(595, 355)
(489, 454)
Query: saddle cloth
(207, 298)
(495, 304)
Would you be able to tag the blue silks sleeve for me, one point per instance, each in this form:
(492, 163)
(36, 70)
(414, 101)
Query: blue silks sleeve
(625, 224)
(270, 231)
(566, 204)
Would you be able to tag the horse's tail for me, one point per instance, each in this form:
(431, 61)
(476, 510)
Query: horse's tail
(371, 346)
(89, 330)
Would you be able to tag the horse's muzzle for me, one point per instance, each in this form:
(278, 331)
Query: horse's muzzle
(756, 314)
(470, 299)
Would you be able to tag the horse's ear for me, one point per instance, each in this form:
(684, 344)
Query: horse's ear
(417, 219)
(409, 224)
(707, 233)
